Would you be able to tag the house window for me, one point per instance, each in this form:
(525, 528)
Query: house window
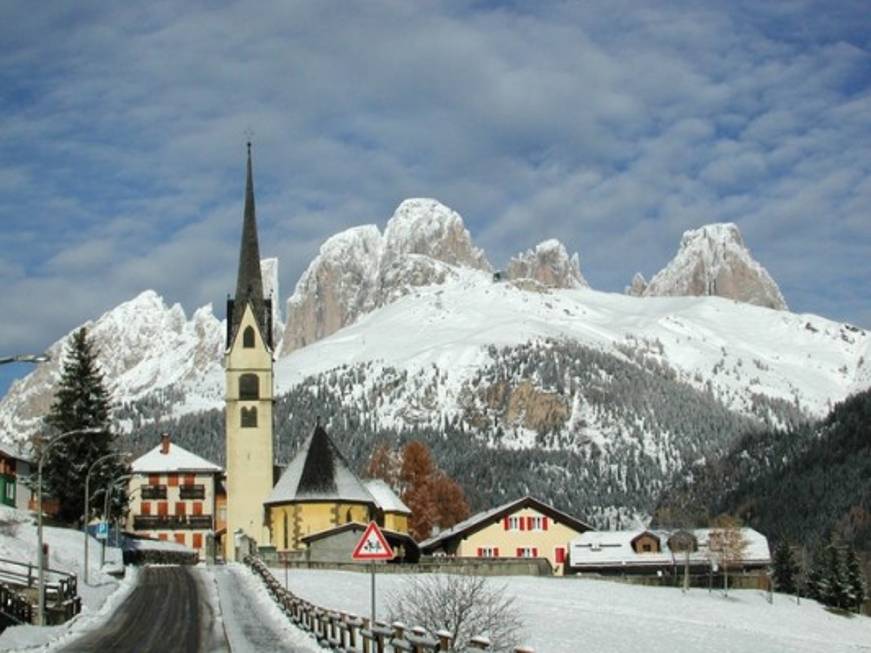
(488, 551)
(646, 548)
(535, 523)
(198, 507)
(527, 552)
(249, 417)
(559, 555)
(285, 531)
(180, 508)
(154, 479)
(172, 480)
(10, 491)
(514, 523)
(179, 537)
(189, 479)
(249, 387)
(162, 508)
(161, 536)
(146, 507)
(198, 541)
(248, 338)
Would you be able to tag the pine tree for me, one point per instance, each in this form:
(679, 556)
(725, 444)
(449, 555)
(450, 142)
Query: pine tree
(836, 594)
(81, 402)
(817, 580)
(785, 569)
(855, 582)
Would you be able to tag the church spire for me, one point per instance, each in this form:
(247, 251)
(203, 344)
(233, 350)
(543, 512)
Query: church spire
(249, 283)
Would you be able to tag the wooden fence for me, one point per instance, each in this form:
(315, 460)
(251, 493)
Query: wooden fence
(348, 633)
(18, 582)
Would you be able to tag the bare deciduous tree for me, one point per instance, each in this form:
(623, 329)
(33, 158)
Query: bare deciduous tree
(464, 606)
(727, 544)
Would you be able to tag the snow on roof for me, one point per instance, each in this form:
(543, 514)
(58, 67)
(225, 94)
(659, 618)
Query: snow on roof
(608, 548)
(385, 497)
(14, 451)
(482, 518)
(319, 471)
(178, 459)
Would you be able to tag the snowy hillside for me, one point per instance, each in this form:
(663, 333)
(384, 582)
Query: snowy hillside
(565, 615)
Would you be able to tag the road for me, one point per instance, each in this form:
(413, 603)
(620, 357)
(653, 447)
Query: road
(167, 612)
(194, 610)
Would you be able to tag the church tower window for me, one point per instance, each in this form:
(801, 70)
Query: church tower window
(249, 417)
(249, 387)
(248, 338)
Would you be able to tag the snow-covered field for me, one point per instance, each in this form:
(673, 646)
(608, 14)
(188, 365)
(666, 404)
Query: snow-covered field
(571, 614)
(18, 541)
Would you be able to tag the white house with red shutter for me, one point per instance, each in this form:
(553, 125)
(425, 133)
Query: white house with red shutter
(524, 528)
(172, 496)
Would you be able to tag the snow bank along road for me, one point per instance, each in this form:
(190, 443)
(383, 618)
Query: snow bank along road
(189, 610)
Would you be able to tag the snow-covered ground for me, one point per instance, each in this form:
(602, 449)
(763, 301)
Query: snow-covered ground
(571, 614)
(18, 541)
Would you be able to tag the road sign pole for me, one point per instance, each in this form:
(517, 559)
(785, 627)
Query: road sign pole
(372, 567)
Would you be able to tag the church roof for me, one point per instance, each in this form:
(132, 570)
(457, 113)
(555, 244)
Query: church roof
(319, 472)
(249, 283)
(385, 497)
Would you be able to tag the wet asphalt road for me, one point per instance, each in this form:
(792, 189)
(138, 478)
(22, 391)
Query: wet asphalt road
(165, 613)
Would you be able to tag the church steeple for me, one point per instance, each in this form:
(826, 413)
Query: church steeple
(249, 283)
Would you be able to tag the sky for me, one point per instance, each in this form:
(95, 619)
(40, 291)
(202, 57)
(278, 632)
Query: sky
(612, 126)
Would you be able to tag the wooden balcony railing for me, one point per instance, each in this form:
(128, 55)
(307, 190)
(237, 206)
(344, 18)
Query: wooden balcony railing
(192, 491)
(153, 492)
(171, 522)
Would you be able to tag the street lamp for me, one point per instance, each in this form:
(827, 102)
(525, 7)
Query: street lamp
(40, 615)
(88, 500)
(107, 500)
(25, 358)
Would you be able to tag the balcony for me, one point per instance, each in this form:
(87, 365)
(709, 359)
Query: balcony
(192, 491)
(171, 522)
(153, 492)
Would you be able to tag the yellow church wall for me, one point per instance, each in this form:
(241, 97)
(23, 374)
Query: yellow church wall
(395, 521)
(249, 449)
(508, 542)
(303, 519)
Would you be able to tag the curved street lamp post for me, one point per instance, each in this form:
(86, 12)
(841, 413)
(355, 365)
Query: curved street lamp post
(88, 501)
(40, 615)
(107, 500)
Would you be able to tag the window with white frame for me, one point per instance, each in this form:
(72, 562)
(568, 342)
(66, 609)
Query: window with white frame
(514, 523)
(488, 552)
(536, 523)
(10, 491)
(527, 552)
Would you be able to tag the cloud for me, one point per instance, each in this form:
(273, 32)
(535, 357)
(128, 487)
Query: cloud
(612, 126)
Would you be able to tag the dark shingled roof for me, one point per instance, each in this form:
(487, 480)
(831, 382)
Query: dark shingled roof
(319, 472)
(249, 283)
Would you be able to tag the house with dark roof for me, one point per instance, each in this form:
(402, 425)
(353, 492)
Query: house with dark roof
(523, 528)
(318, 491)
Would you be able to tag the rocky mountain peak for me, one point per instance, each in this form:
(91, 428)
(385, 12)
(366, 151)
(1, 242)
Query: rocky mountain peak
(549, 264)
(360, 269)
(713, 260)
(428, 227)
(638, 285)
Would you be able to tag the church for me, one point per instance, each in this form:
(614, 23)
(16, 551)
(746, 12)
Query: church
(318, 490)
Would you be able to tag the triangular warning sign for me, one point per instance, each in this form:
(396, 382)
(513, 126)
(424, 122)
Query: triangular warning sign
(372, 546)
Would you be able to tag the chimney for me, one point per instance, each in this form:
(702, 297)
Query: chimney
(164, 443)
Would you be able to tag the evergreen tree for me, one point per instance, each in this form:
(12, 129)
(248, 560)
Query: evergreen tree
(836, 594)
(855, 581)
(81, 402)
(785, 569)
(817, 581)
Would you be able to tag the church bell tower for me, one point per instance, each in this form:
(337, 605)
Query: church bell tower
(248, 393)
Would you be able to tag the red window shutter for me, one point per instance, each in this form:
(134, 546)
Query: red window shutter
(560, 555)
(189, 479)
(505, 524)
(146, 507)
(519, 552)
(162, 508)
(154, 479)
(496, 552)
(198, 540)
(544, 523)
(198, 507)
(172, 480)
(161, 536)
(534, 552)
(179, 508)
(480, 552)
(522, 523)
(179, 537)
(529, 523)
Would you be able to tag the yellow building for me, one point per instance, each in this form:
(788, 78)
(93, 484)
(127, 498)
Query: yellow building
(248, 374)
(318, 491)
(524, 528)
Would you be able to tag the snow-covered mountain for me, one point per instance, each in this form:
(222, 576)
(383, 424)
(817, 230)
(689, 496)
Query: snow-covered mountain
(409, 330)
(548, 263)
(713, 260)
